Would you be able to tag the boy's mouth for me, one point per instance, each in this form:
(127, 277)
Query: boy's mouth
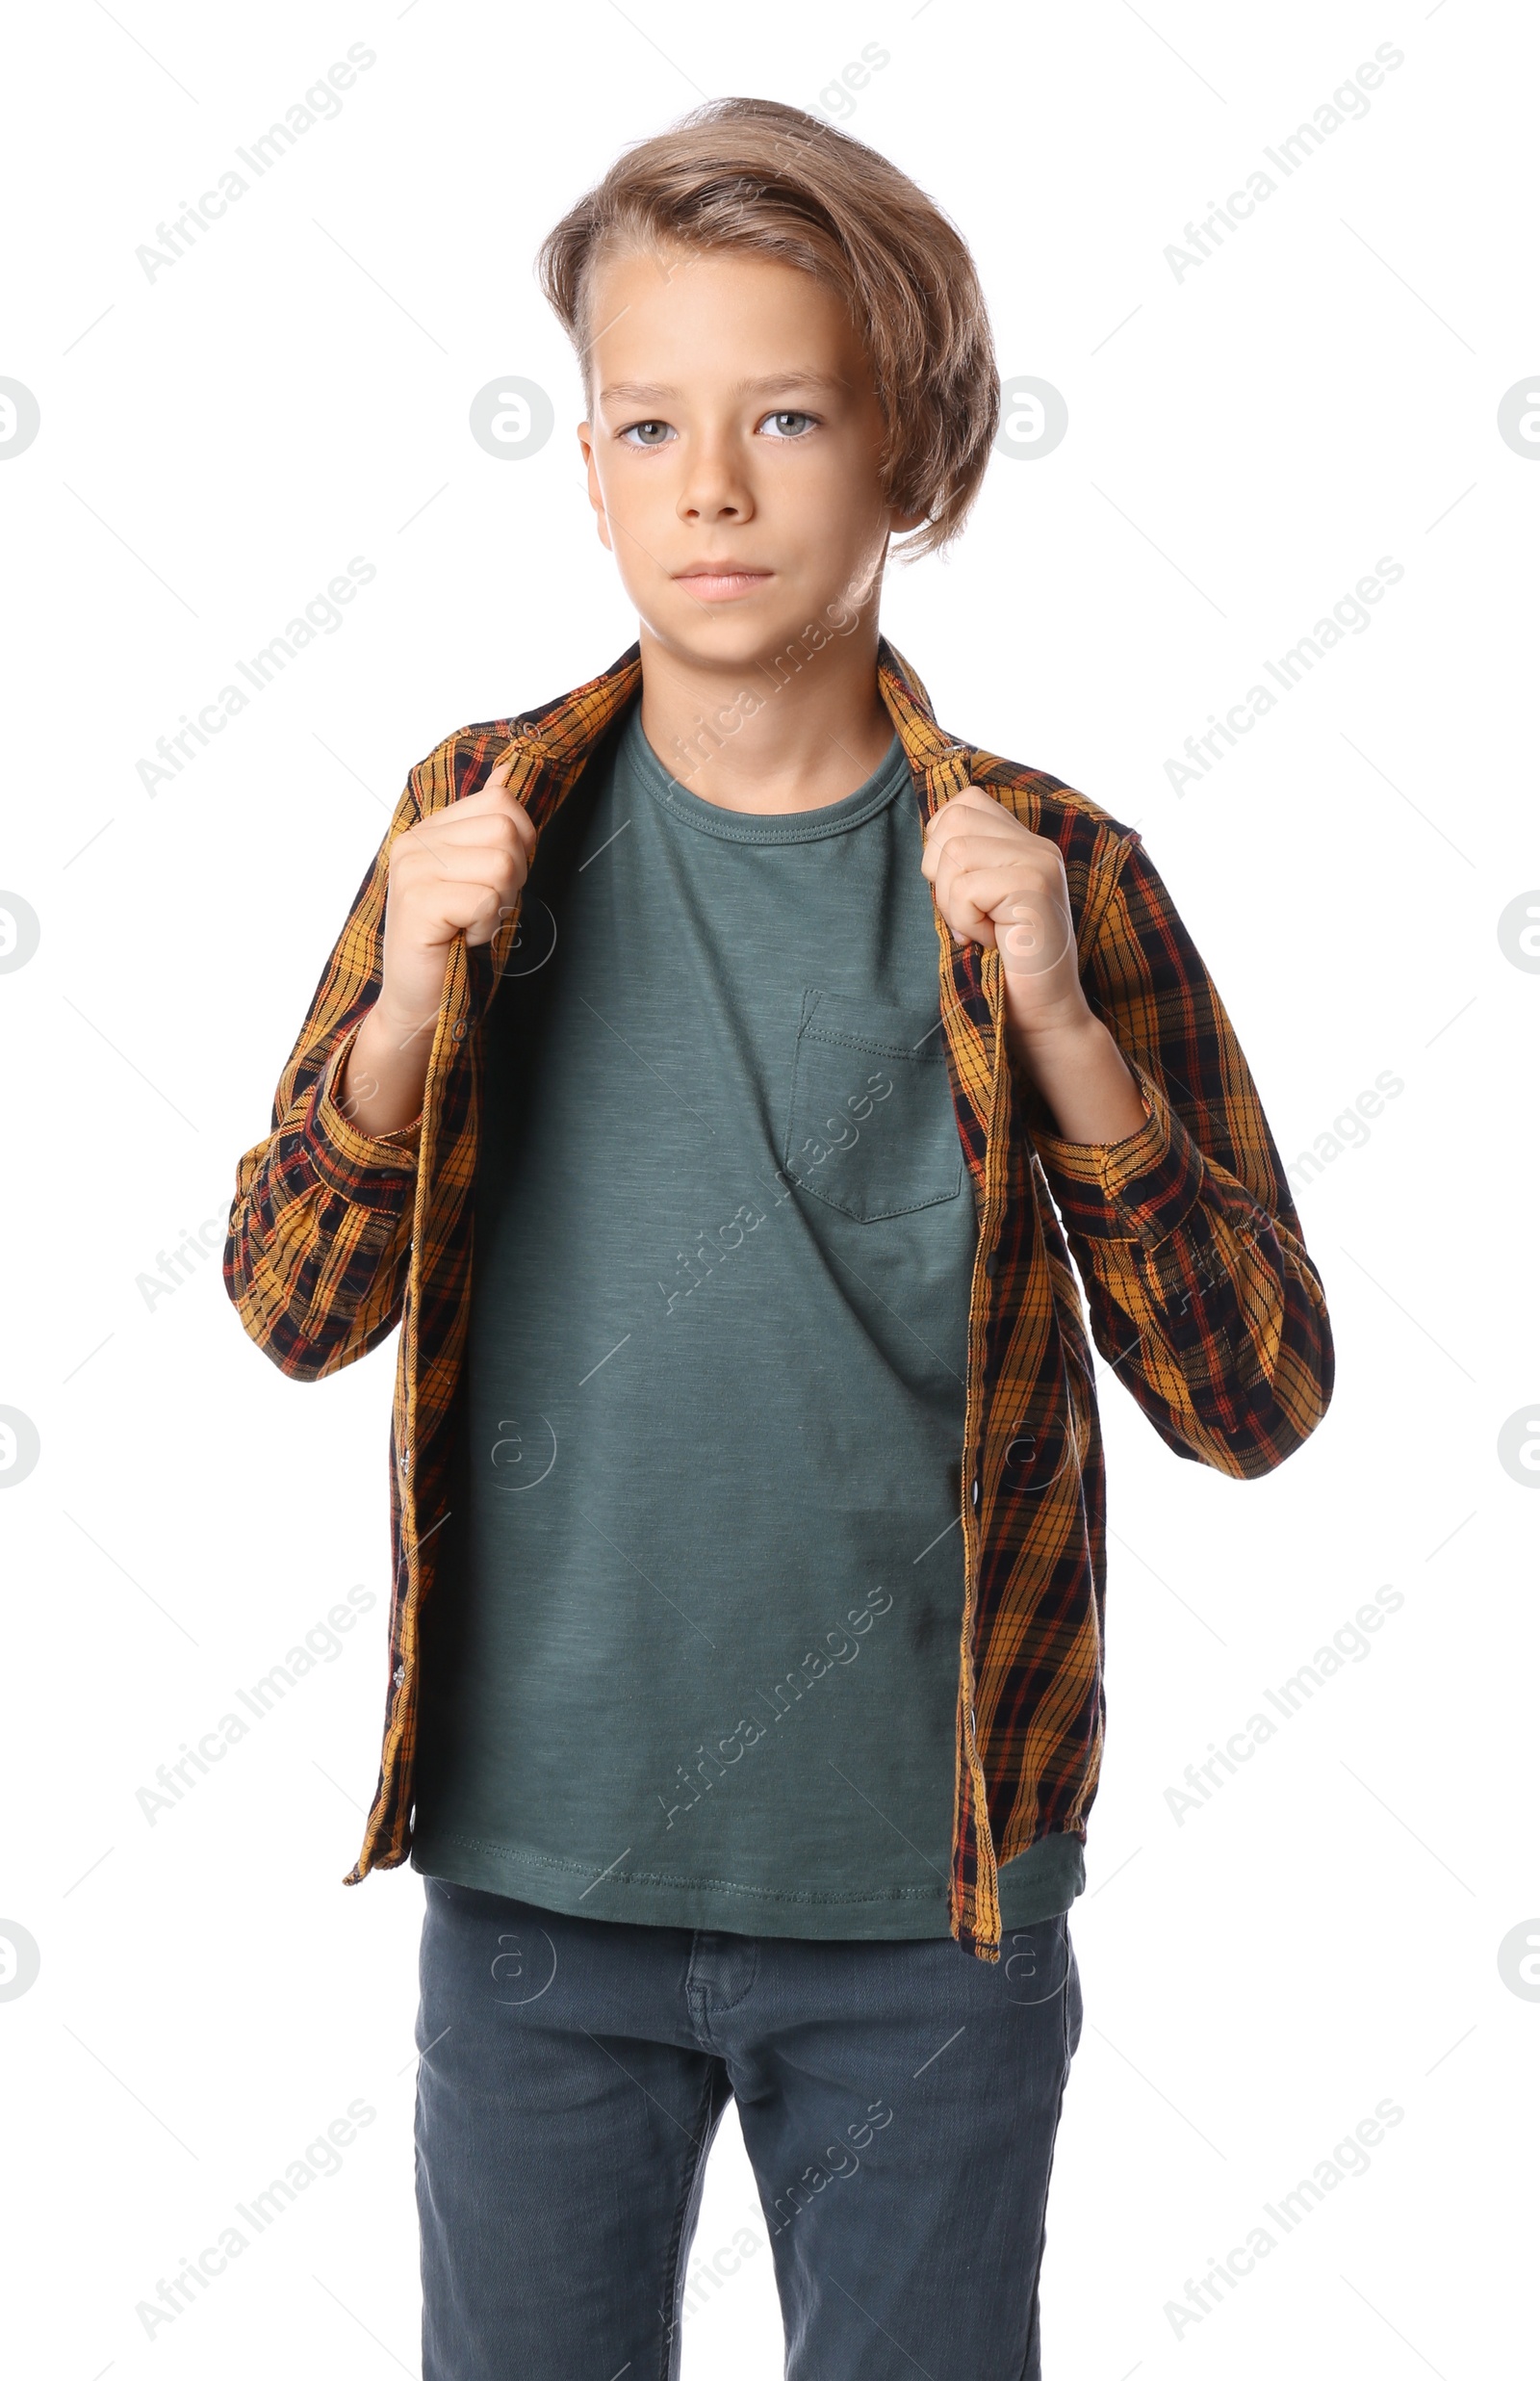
(717, 582)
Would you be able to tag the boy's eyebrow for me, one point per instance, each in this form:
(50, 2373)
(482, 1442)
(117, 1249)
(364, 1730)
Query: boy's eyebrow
(641, 391)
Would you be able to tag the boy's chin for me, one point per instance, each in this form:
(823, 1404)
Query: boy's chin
(746, 629)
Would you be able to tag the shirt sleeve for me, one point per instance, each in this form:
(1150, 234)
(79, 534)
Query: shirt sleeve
(350, 1146)
(1202, 1297)
(320, 1225)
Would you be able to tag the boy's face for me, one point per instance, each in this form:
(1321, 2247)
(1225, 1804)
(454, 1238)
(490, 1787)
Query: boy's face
(736, 426)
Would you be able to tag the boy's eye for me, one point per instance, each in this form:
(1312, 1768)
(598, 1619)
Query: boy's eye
(782, 425)
(787, 425)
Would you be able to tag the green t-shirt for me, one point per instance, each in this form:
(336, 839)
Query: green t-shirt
(693, 1654)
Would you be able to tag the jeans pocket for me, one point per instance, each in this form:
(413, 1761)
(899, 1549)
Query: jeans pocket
(1075, 2001)
(1034, 1962)
(871, 1128)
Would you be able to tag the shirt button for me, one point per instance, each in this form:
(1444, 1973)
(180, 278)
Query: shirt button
(990, 1262)
(975, 1496)
(460, 1030)
(400, 1674)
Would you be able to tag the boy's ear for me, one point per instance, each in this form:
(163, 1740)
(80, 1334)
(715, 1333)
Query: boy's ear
(586, 446)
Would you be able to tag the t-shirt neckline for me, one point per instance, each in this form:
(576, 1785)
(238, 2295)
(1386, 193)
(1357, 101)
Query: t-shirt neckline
(852, 810)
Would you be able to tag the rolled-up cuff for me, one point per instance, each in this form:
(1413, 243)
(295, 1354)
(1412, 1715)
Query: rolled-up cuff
(1137, 1189)
(373, 1169)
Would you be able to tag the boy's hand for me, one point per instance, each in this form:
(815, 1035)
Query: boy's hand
(996, 882)
(455, 871)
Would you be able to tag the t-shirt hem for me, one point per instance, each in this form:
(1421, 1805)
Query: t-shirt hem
(1045, 1888)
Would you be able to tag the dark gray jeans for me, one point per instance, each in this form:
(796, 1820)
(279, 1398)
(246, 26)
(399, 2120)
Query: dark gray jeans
(899, 2103)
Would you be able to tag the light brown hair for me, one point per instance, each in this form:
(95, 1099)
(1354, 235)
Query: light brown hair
(754, 174)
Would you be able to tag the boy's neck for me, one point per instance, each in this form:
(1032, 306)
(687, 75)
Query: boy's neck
(794, 729)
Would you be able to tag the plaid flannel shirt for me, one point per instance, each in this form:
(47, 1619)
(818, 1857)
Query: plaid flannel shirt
(1202, 1296)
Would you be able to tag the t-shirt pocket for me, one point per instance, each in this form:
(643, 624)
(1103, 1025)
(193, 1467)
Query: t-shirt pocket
(872, 1129)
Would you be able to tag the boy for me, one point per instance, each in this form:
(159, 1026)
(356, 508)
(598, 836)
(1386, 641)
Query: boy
(695, 1080)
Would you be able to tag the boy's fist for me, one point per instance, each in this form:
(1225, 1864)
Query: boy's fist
(455, 871)
(996, 882)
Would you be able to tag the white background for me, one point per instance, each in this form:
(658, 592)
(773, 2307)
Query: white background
(1245, 444)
